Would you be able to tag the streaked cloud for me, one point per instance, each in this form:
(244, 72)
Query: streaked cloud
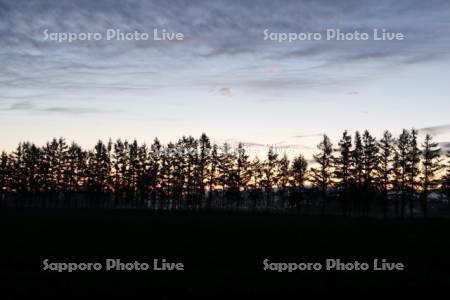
(435, 130)
(301, 136)
(30, 106)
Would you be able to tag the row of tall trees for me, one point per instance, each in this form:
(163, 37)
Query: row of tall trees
(197, 174)
(394, 171)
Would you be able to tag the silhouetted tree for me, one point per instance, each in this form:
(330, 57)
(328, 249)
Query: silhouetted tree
(212, 174)
(255, 182)
(357, 173)
(188, 148)
(243, 172)
(120, 165)
(203, 162)
(283, 179)
(385, 167)
(370, 163)
(75, 172)
(343, 170)
(358, 161)
(57, 152)
(401, 167)
(133, 172)
(168, 173)
(445, 186)
(98, 173)
(225, 165)
(31, 178)
(413, 169)
(5, 176)
(430, 165)
(19, 174)
(270, 170)
(179, 168)
(321, 176)
(143, 177)
(154, 171)
(298, 173)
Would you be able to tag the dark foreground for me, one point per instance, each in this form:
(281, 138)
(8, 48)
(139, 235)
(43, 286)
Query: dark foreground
(222, 253)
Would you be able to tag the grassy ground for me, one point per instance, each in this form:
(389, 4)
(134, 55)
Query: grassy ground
(223, 253)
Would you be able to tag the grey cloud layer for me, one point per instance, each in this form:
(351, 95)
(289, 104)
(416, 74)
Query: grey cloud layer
(223, 43)
(438, 129)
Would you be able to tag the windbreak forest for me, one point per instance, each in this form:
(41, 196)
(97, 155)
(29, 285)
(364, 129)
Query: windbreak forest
(359, 175)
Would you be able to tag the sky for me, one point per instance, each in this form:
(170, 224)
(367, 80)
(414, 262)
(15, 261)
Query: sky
(223, 78)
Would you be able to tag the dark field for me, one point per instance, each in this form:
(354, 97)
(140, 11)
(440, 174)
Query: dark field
(223, 253)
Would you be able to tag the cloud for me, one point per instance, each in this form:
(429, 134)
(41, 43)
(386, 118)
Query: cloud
(69, 110)
(365, 56)
(304, 52)
(23, 105)
(307, 135)
(228, 51)
(252, 144)
(224, 46)
(435, 130)
(29, 106)
(293, 146)
(215, 31)
(225, 91)
(277, 146)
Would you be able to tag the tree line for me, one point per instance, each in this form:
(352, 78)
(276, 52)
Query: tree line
(394, 176)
